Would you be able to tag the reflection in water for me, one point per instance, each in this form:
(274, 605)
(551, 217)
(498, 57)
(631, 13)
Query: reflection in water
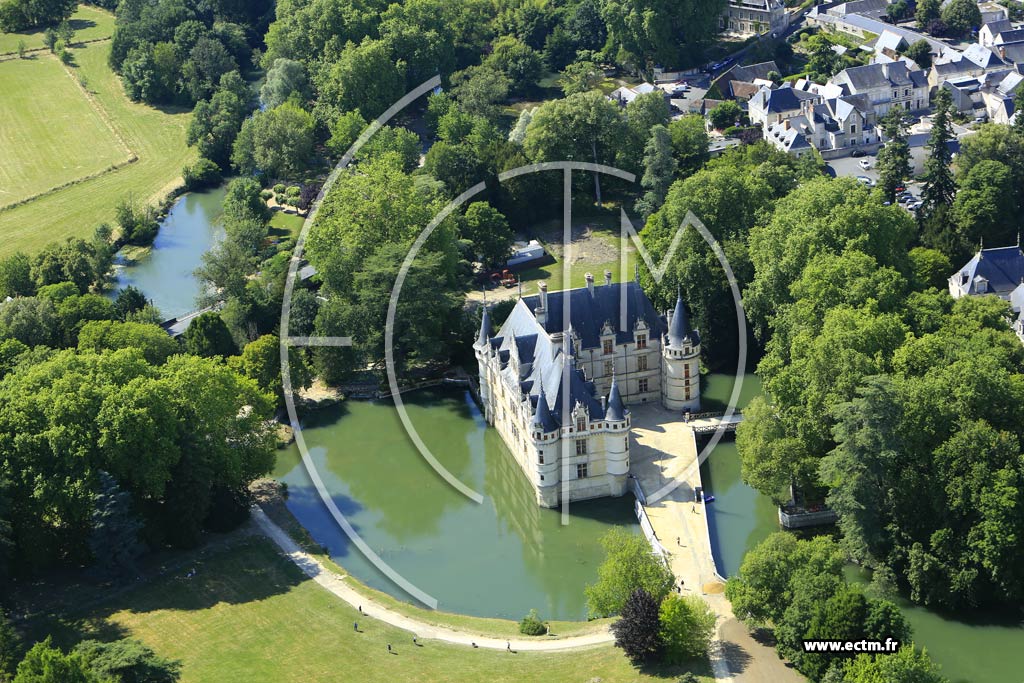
(165, 275)
(498, 558)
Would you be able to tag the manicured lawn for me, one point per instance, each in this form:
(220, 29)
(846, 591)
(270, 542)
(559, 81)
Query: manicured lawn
(286, 224)
(156, 136)
(88, 23)
(250, 615)
(51, 134)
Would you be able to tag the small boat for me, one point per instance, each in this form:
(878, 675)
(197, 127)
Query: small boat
(709, 499)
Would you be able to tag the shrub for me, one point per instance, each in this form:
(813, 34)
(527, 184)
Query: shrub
(281, 199)
(266, 194)
(279, 188)
(687, 626)
(293, 191)
(531, 625)
(201, 175)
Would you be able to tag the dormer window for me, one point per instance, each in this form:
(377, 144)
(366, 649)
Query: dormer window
(608, 346)
(641, 341)
(581, 424)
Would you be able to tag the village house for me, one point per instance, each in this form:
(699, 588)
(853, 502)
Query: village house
(989, 96)
(886, 86)
(832, 126)
(745, 18)
(771, 106)
(556, 384)
(998, 271)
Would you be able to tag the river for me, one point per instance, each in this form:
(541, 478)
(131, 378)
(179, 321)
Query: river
(164, 275)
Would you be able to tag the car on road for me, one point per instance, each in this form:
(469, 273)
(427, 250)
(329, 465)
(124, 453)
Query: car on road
(866, 181)
(864, 163)
(858, 153)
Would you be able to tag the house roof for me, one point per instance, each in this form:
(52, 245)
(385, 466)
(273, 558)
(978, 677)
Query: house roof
(890, 41)
(781, 100)
(997, 27)
(982, 56)
(1002, 268)
(1010, 36)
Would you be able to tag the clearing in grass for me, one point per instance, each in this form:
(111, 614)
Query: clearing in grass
(88, 23)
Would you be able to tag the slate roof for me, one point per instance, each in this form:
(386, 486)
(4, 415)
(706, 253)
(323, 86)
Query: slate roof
(890, 41)
(1002, 267)
(982, 56)
(997, 27)
(680, 332)
(781, 100)
(525, 344)
(1010, 36)
(616, 410)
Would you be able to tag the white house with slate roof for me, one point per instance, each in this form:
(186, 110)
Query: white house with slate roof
(886, 86)
(557, 390)
(998, 271)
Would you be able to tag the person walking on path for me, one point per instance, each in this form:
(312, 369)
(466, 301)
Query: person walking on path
(355, 626)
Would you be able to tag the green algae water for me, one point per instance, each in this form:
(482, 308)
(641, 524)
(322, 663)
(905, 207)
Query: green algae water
(968, 648)
(496, 559)
(165, 275)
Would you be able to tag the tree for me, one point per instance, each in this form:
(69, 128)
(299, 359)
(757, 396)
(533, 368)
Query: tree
(580, 76)
(480, 90)
(927, 12)
(659, 170)
(31, 320)
(22, 15)
(364, 77)
(520, 63)
(285, 78)
(201, 175)
(687, 626)
(345, 130)
(629, 564)
(586, 126)
(961, 17)
(16, 276)
(109, 335)
(46, 664)
(215, 122)
(486, 228)
(278, 142)
(10, 647)
(939, 185)
(921, 52)
(652, 32)
(127, 661)
(690, 142)
(894, 157)
(638, 631)
(261, 361)
(114, 540)
(725, 115)
(907, 665)
(208, 336)
(985, 208)
(207, 62)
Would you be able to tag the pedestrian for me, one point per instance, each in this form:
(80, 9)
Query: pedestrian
(355, 626)
(473, 643)
(508, 646)
(360, 609)
(389, 647)
(679, 541)
(414, 641)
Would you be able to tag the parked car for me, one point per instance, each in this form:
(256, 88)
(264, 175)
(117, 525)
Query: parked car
(858, 153)
(864, 163)
(866, 181)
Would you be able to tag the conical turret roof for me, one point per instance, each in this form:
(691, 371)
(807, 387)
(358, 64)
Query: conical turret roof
(485, 327)
(679, 329)
(542, 418)
(616, 411)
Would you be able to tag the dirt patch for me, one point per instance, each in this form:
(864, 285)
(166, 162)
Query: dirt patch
(590, 243)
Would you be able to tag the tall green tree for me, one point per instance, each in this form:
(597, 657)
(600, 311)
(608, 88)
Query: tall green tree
(638, 630)
(278, 142)
(894, 157)
(939, 186)
(629, 565)
(487, 229)
(208, 336)
(659, 170)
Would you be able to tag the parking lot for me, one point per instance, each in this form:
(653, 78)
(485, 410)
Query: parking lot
(849, 167)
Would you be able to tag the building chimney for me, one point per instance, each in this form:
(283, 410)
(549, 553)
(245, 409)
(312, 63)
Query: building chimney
(590, 283)
(607, 277)
(541, 312)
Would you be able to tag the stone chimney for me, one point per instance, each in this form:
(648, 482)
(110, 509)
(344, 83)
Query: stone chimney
(590, 283)
(607, 277)
(541, 312)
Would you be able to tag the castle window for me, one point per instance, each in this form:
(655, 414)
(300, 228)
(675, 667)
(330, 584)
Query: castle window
(641, 341)
(641, 363)
(687, 395)
(581, 424)
(581, 471)
(686, 372)
(540, 458)
(642, 386)
(608, 346)
(581, 446)
(609, 367)
(542, 477)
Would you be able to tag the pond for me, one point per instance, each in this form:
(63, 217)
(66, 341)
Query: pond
(740, 518)
(164, 274)
(496, 559)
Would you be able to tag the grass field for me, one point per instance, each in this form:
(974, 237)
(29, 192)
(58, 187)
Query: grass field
(88, 23)
(156, 136)
(45, 107)
(250, 615)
